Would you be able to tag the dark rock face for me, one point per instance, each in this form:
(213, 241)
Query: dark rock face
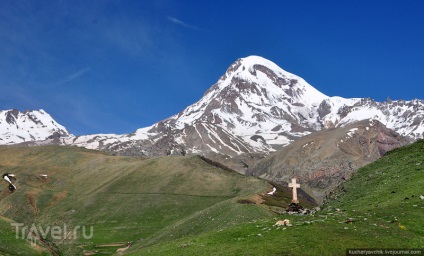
(56, 135)
(257, 137)
(11, 116)
(276, 79)
(324, 109)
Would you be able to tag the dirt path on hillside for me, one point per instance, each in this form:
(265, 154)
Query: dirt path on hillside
(53, 250)
(31, 201)
(111, 245)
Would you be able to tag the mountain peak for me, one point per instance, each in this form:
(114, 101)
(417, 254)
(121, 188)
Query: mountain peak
(255, 74)
(252, 60)
(249, 64)
(258, 101)
(30, 125)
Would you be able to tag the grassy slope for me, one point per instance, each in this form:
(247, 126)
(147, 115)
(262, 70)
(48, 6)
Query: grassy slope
(375, 212)
(125, 199)
(9, 245)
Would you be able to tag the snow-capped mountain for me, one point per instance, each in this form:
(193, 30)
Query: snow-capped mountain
(404, 117)
(35, 125)
(256, 107)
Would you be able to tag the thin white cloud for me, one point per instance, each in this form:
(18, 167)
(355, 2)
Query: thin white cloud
(73, 76)
(182, 23)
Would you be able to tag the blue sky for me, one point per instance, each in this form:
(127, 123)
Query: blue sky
(115, 66)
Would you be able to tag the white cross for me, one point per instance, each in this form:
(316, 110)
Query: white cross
(295, 186)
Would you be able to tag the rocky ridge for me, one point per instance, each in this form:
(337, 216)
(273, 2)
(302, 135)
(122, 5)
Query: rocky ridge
(324, 159)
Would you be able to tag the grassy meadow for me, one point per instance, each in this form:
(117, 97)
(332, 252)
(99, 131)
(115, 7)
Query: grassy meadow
(124, 199)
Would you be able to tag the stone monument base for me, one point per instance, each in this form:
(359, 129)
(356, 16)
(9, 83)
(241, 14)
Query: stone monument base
(295, 208)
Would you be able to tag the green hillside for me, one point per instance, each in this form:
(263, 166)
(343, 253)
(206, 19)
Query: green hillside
(379, 207)
(124, 199)
(9, 245)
